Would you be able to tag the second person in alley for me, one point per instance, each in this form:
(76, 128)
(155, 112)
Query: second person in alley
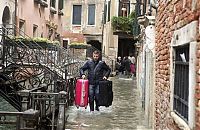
(97, 70)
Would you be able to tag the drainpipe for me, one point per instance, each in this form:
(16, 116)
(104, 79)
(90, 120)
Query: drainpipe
(103, 16)
(15, 22)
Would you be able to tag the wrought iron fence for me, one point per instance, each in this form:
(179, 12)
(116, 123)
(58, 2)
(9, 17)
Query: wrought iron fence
(32, 76)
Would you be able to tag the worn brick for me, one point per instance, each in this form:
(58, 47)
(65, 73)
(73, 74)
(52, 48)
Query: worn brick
(198, 53)
(198, 86)
(171, 17)
(197, 95)
(197, 126)
(198, 78)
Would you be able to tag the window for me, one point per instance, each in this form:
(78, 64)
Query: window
(60, 4)
(124, 6)
(105, 13)
(53, 6)
(181, 81)
(53, 3)
(77, 14)
(22, 28)
(108, 11)
(184, 63)
(91, 14)
(65, 43)
(50, 33)
(35, 27)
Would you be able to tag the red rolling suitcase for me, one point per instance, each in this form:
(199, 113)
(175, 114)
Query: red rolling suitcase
(81, 93)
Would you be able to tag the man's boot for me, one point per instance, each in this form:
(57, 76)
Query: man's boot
(91, 106)
(97, 106)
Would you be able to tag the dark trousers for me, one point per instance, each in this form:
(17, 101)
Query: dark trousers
(93, 96)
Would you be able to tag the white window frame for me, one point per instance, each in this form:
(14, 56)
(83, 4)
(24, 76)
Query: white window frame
(51, 3)
(35, 30)
(66, 39)
(182, 36)
(94, 15)
(73, 13)
(22, 28)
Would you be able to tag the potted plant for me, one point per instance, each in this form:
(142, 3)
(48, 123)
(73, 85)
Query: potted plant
(123, 24)
(77, 45)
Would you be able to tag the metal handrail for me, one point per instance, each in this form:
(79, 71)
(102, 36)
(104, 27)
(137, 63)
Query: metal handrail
(55, 66)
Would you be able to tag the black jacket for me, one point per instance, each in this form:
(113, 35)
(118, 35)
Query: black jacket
(96, 71)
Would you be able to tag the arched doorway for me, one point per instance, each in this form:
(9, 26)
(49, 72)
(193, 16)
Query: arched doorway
(126, 47)
(5, 21)
(95, 44)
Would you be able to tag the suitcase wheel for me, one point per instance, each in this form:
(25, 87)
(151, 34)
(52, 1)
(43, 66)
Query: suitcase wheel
(77, 107)
(86, 107)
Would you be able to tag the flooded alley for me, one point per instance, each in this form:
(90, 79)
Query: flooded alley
(125, 112)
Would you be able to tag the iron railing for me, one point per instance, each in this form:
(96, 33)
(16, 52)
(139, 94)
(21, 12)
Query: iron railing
(181, 81)
(32, 76)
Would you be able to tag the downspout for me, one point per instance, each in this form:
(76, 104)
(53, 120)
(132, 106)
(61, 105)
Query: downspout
(145, 7)
(103, 20)
(15, 21)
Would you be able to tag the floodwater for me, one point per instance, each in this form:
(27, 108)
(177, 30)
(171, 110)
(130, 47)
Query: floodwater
(5, 106)
(126, 112)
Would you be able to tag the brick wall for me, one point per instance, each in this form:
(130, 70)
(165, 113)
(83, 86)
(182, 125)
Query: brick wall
(172, 15)
(80, 53)
(198, 90)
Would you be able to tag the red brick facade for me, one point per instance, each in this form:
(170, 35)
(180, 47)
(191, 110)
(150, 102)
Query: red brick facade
(197, 95)
(172, 15)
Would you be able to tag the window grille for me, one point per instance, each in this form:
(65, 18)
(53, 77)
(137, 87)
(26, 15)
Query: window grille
(181, 81)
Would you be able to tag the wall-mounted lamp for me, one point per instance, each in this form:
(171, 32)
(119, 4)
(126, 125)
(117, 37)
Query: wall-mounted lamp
(123, 9)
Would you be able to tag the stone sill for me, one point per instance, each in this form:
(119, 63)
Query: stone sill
(180, 122)
(37, 1)
(60, 12)
(53, 10)
(44, 3)
(141, 20)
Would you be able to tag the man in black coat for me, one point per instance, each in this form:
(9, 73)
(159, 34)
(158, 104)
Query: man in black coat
(97, 70)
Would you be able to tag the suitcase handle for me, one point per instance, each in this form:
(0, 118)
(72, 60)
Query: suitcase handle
(84, 93)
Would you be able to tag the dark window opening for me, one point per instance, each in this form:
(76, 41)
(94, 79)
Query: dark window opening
(53, 3)
(77, 14)
(65, 43)
(61, 4)
(181, 81)
(91, 14)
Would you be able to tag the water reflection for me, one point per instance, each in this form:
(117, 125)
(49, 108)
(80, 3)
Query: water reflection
(5, 106)
(125, 113)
